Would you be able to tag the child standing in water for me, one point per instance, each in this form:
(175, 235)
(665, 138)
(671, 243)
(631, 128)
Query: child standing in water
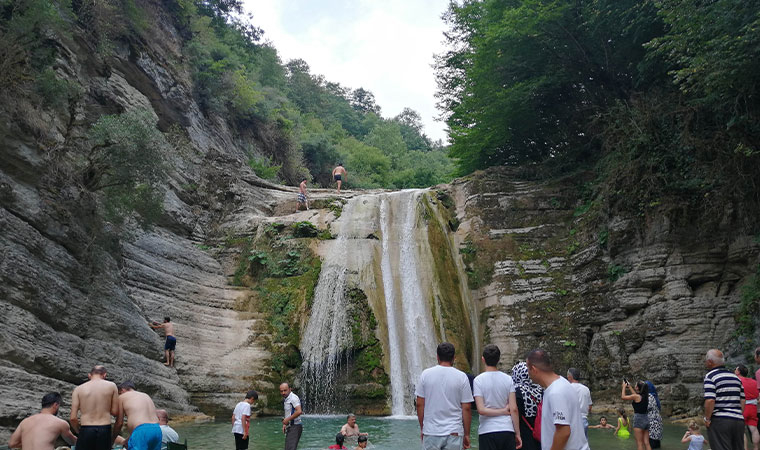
(602, 424)
(693, 437)
(623, 424)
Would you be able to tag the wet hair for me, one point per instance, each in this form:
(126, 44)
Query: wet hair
(621, 411)
(491, 354)
(127, 385)
(575, 373)
(340, 163)
(252, 394)
(694, 426)
(445, 352)
(167, 319)
(742, 370)
(362, 439)
(98, 370)
(541, 360)
(51, 399)
(303, 179)
(339, 438)
(603, 418)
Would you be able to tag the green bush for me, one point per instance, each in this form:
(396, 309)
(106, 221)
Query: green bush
(305, 229)
(264, 168)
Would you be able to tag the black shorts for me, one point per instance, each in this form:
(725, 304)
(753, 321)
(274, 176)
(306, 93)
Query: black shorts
(498, 440)
(240, 443)
(94, 437)
(337, 178)
(171, 343)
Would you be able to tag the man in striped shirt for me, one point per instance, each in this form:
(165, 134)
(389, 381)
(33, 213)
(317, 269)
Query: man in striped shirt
(724, 404)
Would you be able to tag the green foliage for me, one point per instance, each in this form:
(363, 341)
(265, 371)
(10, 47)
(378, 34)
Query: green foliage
(615, 271)
(126, 162)
(749, 308)
(264, 168)
(305, 229)
(658, 96)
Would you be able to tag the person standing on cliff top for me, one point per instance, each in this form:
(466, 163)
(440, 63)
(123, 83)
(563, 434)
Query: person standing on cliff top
(338, 173)
(561, 424)
(291, 424)
(443, 404)
(41, 430)
(303, 196)
(171, 342)
(241, 420)
(724, 404)
(97, 400)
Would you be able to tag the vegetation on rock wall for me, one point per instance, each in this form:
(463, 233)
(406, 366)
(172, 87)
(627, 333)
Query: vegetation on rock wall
(658, 98)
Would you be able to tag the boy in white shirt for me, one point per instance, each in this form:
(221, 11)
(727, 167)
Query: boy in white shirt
(494, 394)
(561, 423)
(241, 419)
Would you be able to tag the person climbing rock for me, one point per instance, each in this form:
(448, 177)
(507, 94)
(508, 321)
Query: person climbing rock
(171, 342)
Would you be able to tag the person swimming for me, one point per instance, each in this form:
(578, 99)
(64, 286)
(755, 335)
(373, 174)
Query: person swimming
(602, 424)
(623, 424)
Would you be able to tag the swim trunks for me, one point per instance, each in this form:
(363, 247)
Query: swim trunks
(94, 437)
(145, 437)
(337, 177)
(301, 198)
(171, 343)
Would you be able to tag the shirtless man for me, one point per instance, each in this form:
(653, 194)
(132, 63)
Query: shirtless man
(338, 173)
(145, 432)
(171, 341)
(351, 428)
(303, 198)
(97, 400)
(40, 431)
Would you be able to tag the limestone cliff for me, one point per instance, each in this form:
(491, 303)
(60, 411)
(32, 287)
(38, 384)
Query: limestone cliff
(614, 296)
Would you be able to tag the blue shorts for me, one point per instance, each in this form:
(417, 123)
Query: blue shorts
(145, 437)
(171, 343)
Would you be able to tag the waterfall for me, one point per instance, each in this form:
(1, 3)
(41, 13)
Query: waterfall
(405, 268)
(411, 339)
(328, 335)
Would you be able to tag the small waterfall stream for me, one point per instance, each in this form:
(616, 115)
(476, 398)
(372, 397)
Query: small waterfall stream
(406, 271)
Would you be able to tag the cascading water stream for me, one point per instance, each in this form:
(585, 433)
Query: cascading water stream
(327, 335)
(411, 337)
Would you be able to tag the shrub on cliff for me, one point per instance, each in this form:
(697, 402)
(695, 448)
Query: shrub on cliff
(126, 162)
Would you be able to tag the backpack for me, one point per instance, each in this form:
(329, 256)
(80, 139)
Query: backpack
(536, 428)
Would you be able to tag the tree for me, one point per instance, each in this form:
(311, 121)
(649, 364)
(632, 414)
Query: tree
(363, 101)
(410, 123)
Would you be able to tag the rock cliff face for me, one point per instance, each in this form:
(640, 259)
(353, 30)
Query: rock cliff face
(614, 297)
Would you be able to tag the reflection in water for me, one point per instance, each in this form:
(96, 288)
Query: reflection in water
(384, 434)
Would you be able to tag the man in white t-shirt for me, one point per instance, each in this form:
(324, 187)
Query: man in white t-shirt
(494, 393)
(443, 404)
(291, 424)
(168, 434)
(241, 419)
(584, 396)
(561, 424)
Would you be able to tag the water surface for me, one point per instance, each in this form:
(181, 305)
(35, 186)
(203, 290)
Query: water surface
(385, 433)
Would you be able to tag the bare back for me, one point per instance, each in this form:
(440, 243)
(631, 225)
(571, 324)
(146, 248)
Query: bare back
(339, 171)
(139, 409)
(97, 400)
(168, 328)
(40, 431)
